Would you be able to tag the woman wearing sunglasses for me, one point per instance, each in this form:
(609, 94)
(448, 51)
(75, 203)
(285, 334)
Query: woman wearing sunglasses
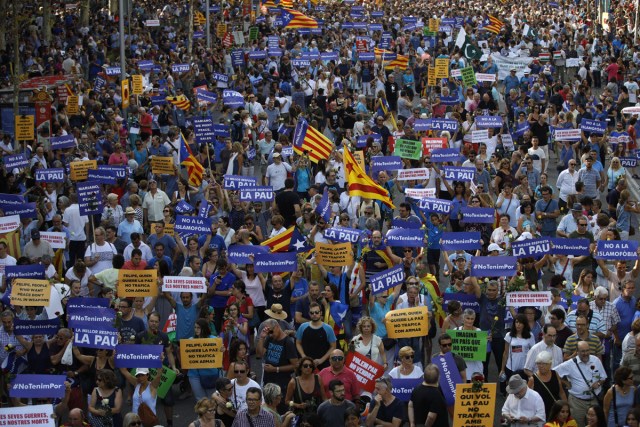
(305, 390)
(406, 369)
(206, 410)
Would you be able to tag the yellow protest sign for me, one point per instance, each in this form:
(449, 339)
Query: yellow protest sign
(434, 25)
(431, 76)
(168, 229)
(475, 408)
(201, 353)
(407, 322)
(124, 86)
(137, 283)
(80, 169)
(161, 164)
(359, 156)
(24, 126)
(334, 255)
(442, 68)
(137, 86)
(73, 104)
(30, 292)
(221, 30)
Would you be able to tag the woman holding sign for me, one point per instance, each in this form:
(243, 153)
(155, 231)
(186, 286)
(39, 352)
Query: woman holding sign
(145, 393)
(468, 318)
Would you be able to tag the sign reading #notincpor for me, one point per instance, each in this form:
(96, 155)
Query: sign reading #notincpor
(405, 237)
(275, 262)
(465, 241)
(38, 386)
(493, 266)
(138, 356)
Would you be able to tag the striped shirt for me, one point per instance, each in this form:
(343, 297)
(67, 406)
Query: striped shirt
(595, 346)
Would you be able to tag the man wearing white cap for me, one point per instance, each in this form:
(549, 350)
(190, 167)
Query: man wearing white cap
(523, 407)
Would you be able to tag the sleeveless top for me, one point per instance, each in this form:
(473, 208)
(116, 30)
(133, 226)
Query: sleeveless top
(623, 405)
(549, 391)
(145, 397)
(314, 398)
(39, 363)
(116, 419)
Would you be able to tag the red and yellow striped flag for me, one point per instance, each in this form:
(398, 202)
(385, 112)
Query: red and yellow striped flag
(281, 242)
(182, 102)
(361, 184)
(199, 18)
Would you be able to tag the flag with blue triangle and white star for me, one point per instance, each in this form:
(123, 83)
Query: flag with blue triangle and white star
(299, 242)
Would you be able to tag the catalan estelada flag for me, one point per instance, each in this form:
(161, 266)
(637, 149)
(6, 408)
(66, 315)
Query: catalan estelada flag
(287, 4)
(294, 19)
(195, 170)
(281, 242)
(182, 102)
(361, 184)
(394, 60)
(309, 140)
(492, 24)
(199, 18)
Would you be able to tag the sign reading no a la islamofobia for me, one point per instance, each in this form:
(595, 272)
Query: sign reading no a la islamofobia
(162, 165)
(407, 322)
(137, 283)
(474, 408)
(30, 292)
(334, 255)
(201, 353)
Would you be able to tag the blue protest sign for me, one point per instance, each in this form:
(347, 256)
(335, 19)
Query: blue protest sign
(275, 262)
(236, 182)
(239, 254)
(461, 240)
(219, 77)
(401, 388)
(38, 386)
(13, 161)
(121, 171)
(301, 63)
(32, 271)
(206, 96)
(409, 237)
(258, 54)
(94, 315)
(158, 100)
(221, 131)
(102, 176)
(439, 155)
(50, 175)
(386, 163)
(449, 100)
(342, 234)
(531, 248)
(36, 327)
(466, 300)
(205, 207)
(521, 128)
(576, 247)
(387, 279)
(402, 223)
(434, 205)
(90, 335)
(273, 42)
(361, 142)
(375, 27)
(11, 199)
(180, 68)
(203, 129)
(60, 142)
(89, 197)
(367, 56)
(478, 215)
(86, 302)
(198, 34)
(377, 14)
(493, 266)
(275, 52)
(112, 71)
(232, 98)
(444, 124)
(287, 151)
(628, 162)
(595, 126)
(329, 56)
(257, 194)
(617, 249)
(324, 207)
(449, 376)
(183, 207)
(138, 356)
(489, 121)
(26, 210)
(145, 65)
(456, 173)
(192, 225)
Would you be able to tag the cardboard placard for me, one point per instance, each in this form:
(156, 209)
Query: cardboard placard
(73, 104)
(407, 322)
(30, 292)
(169, 229)
(408, 149)
(475, 408)
(32, 415)
(57, 239)
(468, 76)
(534, 299)
(359, 157)
(184, 284)
(442, 68)
(470, 345)
(162, 165)
(366, 370)
(80, 169)
(137, 283)
(24, 128)
(137, 86)
(334, 255)
(201, 353)
(431, 76)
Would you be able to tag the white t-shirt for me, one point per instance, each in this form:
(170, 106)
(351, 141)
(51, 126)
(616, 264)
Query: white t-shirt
(239, 393)
(517, 354)
(103, 253)
(8, 260)
(537, 155)
(75, 222)
(277, 175)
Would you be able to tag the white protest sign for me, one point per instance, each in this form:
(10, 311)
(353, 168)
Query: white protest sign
(55, 238)
(33, 415)
(478, 136)
(417, 173)
(534, 299)
(9, 223)
(184, 284)
(567, 134)
(420, 193)
(484, 77)
(573, 62)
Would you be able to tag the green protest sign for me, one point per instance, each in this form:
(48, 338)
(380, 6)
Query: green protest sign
(253, 33)
(427, 33)
(168, 377)
(408, 149)
(468, 76)
(470, 345)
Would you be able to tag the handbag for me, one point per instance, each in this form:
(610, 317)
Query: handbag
(148, 418)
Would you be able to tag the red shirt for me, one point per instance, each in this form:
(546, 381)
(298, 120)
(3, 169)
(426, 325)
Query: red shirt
(351, 385)
(632, 138)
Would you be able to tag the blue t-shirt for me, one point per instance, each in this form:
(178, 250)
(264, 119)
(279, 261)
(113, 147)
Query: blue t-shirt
(216, 242)
(218, 301)
(186, 320)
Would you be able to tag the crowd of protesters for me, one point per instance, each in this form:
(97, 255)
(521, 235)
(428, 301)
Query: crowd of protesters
(582, 64)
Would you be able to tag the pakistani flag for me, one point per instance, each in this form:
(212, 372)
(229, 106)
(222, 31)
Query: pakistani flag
(527, 31)
(469, 50)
